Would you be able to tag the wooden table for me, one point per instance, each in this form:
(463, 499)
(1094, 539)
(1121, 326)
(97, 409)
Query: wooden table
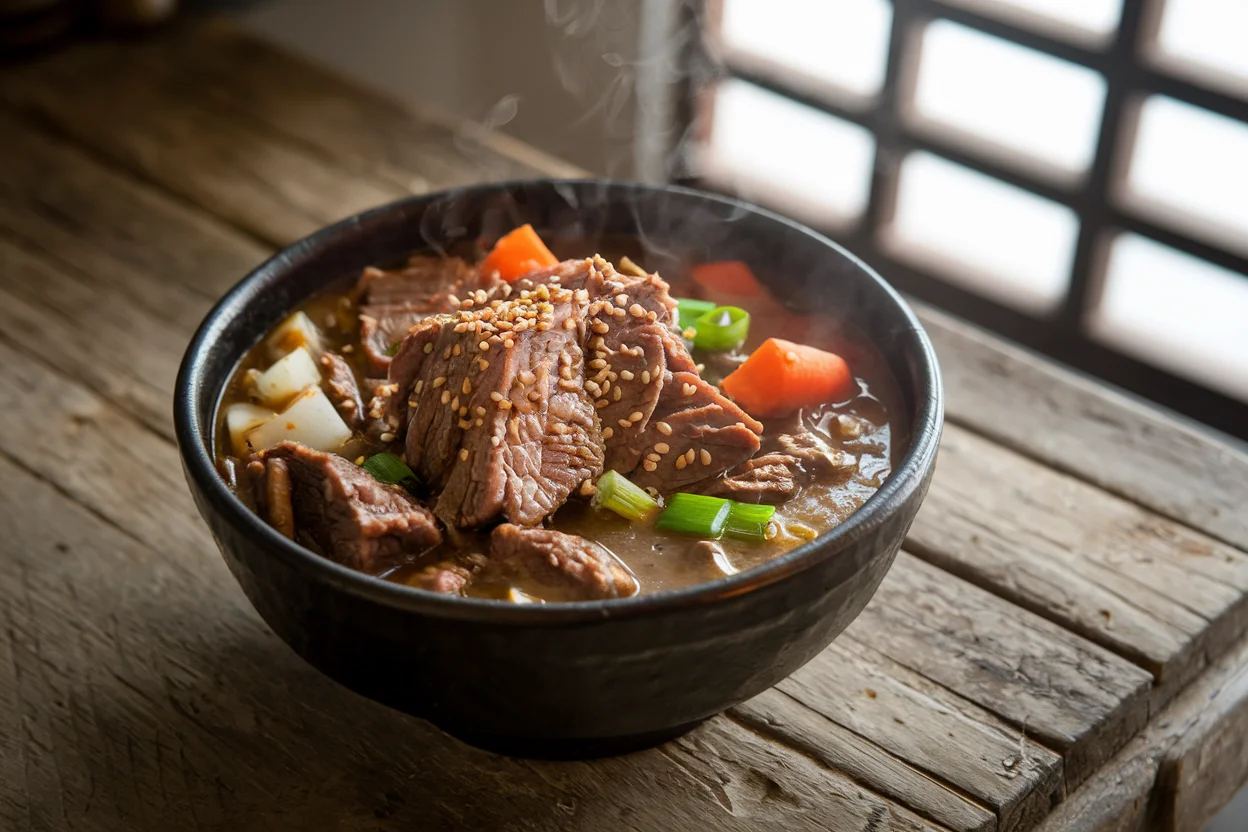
(1061, 645)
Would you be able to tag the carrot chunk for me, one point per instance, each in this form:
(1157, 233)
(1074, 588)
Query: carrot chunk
(728, 277)
(517, 253)
(780, 377)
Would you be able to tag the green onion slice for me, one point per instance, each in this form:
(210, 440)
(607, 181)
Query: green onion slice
(690, 309)
(393, 349)
(387, 467)
(747, 521)
(723, 328)
(695, 514)
(617, 493)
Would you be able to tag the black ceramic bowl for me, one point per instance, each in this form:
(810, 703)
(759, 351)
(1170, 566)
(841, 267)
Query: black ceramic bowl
(577, 679)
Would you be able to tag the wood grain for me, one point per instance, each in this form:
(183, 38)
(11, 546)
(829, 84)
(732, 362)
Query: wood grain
(1072, 696)
(1147, 588)
(1083, 427)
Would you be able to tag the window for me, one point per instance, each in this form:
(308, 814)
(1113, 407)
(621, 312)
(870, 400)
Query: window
(1067, 172)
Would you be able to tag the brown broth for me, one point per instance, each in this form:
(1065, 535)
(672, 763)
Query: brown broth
(660, 559)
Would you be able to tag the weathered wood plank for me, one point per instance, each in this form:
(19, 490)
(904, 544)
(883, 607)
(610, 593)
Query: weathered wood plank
(1082, 426)
(1071, 695)
(161, 701)
(1180, 770)
(1145, 587)
(931, 729)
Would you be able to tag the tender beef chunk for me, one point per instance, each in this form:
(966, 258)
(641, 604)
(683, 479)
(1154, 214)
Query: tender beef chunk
(498, 421)
(710, 560)
(791, 456)
(276, 495)
(695, 434)
(350, 516)
(380, 412)
(770, 478)
(343, 391)
(558, 566)
(818, 459)
(445, 577)
(719, 365)
(394, 301)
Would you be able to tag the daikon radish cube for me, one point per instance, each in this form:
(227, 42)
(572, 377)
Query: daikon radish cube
(287, 377)
(241, 419)
(310, 420)
(292, 333)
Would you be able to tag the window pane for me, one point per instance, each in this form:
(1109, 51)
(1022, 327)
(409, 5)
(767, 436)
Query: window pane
(982, 234)
(1018, 100)
(820, 45)
(803, 161)
(1206, 40)
(1087, 20)
(1189, 169)
(1177, 312)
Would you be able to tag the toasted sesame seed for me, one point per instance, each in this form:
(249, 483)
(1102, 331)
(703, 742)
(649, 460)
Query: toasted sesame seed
(790, 356)
(527, 378)
(359, 460)
(505, 404)
(600, 327)
(617, 394)
(649, 466)
(455, 403)
(508, 343)
(410, 403)
(569, 323)
(463, 453)
(651, 316)
(559, 428)
(597, 343)
(627, 375)
(565, 372)
(484, 346)
(386, 437)
(496, 396)
(420, 385)
(348, 348)
(446, 396)
(654, 457)
(689, 456)
(543, 326)
(535, 396)
(464, 424)
(621, 300)
(681, 462)
(480, 422)
(460, 328)
(662, 447)
(608, 432)
(438, 382)
(688, 389)
(663, 428)
(428, 348)
(701, 368)
(598, 363)
(454, 300)
(645, 376)
(456, 350)
(569, 384)
(619, 313)
(606, 385)
(466, 388)
(479, 410)
(624, 423)
(496, 440)
(485, 365)
(705, 456)
(636, 416)
(689, 333)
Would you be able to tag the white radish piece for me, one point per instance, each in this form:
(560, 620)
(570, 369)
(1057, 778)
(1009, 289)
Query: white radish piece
(241, 419)
(292, 333)
(310, 420)
(287, 377)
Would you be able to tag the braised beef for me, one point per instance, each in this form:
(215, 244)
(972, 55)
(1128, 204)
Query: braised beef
(771, 478)
(343, 390)
(791, 455)
(567, 565)
(445, 577)
(350, 516)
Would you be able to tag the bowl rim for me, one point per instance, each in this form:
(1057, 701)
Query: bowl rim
(200, 466)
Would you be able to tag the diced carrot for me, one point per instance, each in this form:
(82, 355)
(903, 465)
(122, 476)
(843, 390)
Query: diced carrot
(780, 377)
(729, 277)
(517, 253)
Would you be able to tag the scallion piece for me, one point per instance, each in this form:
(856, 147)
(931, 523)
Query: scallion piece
(695, 514)
(690, 309)
(723, 328)
(616, 493)
(747, 521)
(387, 467)
(393, 349)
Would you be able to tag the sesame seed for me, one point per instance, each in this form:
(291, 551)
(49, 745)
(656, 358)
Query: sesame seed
(689, 457)
(635, 416)
(479, 410)
(568, 384)
(600, 327)
(456, 350)
(601, 403)
(438, 382)
(662, 447)
(620, 313)
(606, 385)
(621, 300)
(543, 327)
(464, 425)
(460, 328)
(597, 343)
(496, 440)
(454, 300)
(348, 348)
(420, 385)
(701, 368)
(410, 403)
(508, 343)
(386, 437)
(627, 375)
(559, 428)
(624, 423)
(466, 388)
(535, 396)
(484, 346)
(527, 378)
(505, 404)
(455, 403)
(688, 389)
(790, 356)
(689, 333)
(649, 466)
(446, 353)
(480, 422)
(617, 394)
(496, 396)
(485, 365)
(680, 463)
(446, 396)
(663, 428)
(653, 457)
(651, 316)
(608, 432)
(598, 363)
(428, 348)
(569, 323)
(705, 456)
(359, 460)
(645, 376)
(463, 453)
(565, 372)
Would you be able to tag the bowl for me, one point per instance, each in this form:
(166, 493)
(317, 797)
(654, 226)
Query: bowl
(581, 679)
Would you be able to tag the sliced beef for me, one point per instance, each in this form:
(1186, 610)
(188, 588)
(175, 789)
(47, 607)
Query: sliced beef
(497, 419)
(276, 496)
(694, 435)
(350, 516)
(394, 301)
(817, 458)
(791, 456)
(770, 478)
(558, 566)
(445, 577)
(343, 391)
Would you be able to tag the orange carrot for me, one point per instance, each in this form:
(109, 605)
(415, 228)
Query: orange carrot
(780, 377)
(517, 253)
(729, 277)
